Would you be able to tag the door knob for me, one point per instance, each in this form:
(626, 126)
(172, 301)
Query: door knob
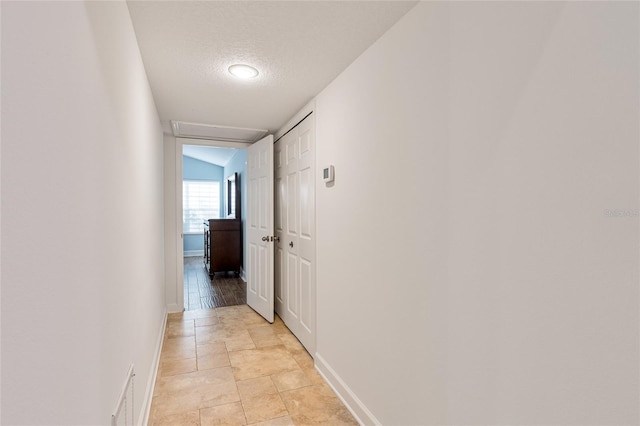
(291, 244)
(265, 238)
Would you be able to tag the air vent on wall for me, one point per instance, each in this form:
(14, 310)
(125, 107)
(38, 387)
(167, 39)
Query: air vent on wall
(182, 129)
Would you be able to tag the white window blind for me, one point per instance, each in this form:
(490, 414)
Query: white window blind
(200, 202)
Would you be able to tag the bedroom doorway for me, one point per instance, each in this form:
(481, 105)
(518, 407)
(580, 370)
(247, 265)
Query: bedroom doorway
(202, 171)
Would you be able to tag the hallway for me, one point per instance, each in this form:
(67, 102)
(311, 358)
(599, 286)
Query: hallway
(229, 366)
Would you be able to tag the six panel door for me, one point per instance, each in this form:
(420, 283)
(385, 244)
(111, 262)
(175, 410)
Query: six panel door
(294, 159)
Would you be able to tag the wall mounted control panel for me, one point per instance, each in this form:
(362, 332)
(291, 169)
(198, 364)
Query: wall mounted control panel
(328, 174)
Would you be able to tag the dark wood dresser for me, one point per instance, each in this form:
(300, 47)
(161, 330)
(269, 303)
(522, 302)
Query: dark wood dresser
(223, 245)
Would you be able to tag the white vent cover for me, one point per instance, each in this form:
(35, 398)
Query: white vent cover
(124, 412)
(182, 129)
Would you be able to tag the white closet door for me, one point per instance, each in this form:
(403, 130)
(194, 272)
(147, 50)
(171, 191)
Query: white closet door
(295, 227)
(279, 217)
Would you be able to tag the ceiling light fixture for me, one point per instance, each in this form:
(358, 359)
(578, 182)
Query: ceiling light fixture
(243, 71)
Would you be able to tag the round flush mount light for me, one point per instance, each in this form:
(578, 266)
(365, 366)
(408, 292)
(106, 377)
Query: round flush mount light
(243, 71)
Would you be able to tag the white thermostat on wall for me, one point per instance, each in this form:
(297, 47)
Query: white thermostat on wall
(327, 174)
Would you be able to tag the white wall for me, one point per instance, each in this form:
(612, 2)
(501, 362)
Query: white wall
(0, 218)
(82, 213)
(496, 291)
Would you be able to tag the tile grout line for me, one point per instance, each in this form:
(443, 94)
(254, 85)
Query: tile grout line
(226, 348)
(195, 342)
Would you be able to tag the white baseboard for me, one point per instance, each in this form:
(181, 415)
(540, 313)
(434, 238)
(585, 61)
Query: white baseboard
(151, 383)
(360, 412)
(193, 253)
(173, 308)
(243, 276)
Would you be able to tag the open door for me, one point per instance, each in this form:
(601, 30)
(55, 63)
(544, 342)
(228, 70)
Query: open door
(260, 227)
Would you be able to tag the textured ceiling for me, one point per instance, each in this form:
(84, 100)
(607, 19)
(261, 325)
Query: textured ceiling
(298, 46)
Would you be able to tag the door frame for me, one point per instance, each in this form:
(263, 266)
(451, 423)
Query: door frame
(180, 142)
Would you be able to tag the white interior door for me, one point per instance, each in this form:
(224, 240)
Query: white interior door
(260, 227)
(295, 228)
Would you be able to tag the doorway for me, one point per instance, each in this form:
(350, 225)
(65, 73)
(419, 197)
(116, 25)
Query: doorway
(202, 169)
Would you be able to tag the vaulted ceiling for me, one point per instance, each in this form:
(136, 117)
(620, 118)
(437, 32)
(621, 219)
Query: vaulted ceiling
(299, 47)
(210, 154)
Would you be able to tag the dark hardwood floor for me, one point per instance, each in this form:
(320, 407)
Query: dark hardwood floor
(201, 292)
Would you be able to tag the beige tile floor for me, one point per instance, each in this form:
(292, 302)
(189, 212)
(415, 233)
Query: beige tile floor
(228, 366)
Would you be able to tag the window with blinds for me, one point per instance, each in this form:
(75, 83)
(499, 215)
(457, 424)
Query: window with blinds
(200, 202)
